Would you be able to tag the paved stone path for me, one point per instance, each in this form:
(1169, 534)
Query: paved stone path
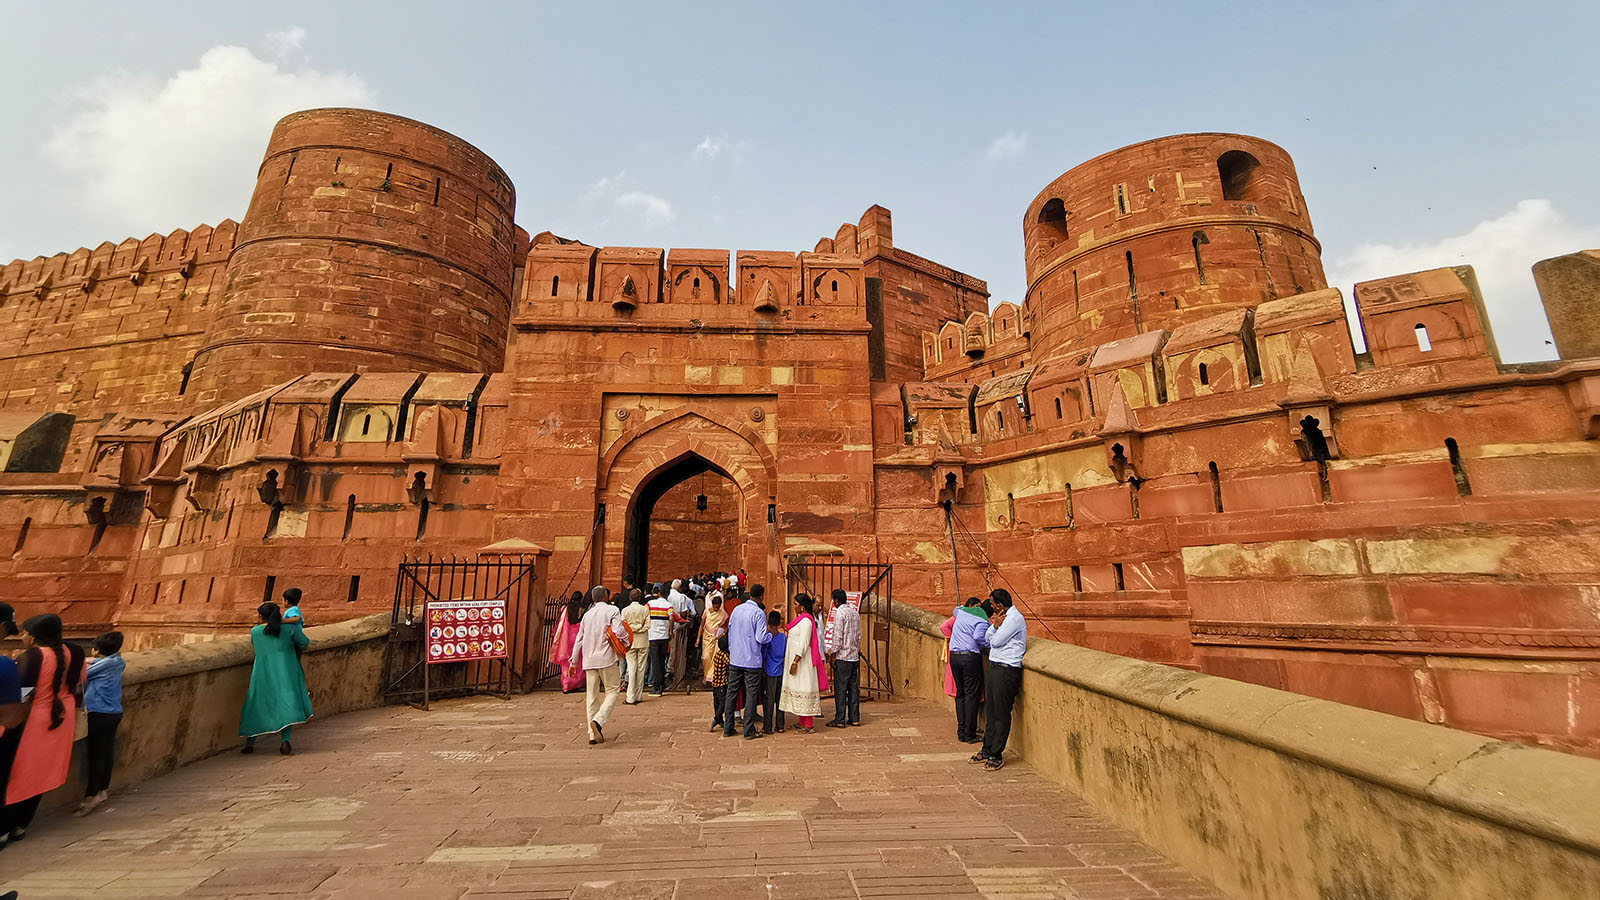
(488, 799)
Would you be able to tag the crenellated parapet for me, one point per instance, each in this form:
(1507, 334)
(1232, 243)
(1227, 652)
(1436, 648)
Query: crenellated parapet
(133, 260)
(628, 287)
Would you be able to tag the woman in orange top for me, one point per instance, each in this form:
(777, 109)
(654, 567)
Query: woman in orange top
(54, 670)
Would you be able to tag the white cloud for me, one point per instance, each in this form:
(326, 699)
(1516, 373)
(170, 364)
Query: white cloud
(716, 145)
(1006, 146)
(144, 154)
(653, 211)
(605, 186)
(1501, 251)
(286, 42)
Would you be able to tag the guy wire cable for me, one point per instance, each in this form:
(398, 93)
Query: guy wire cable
(988, 563)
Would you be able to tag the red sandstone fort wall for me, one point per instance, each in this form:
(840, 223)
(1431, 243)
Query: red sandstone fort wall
(1190, 465)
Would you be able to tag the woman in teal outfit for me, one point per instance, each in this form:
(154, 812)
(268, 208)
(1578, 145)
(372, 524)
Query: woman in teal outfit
(278, 698)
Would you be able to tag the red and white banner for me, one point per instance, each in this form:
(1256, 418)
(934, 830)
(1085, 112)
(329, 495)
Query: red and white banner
(461, 630)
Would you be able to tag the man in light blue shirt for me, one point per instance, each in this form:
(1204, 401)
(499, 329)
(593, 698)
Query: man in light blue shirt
(1007, 642)
(747, 634)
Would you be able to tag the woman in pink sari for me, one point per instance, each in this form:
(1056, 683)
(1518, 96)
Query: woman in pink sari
(945, 627)
(804, 676)
(564, 650)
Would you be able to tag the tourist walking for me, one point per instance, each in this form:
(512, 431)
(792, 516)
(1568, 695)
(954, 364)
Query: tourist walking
(563, 646)
(1007, 641)
(968, 636)
(637, 618)
(711, 626)
(747, 635)
(54, 669)
(772, 674)
(102, 698)
(846, 653)
(600, 634)
(804, 679)
(277, 700)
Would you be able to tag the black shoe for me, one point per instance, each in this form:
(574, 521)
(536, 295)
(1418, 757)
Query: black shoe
(752, 735)
(600, 736)
(993, 764)
(248, 748)
(979, 757)
(836, 725)
(285, 749)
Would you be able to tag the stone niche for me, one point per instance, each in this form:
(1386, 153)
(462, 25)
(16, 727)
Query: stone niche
(1425, 317)
(697, 276)
(1134, 363)
(831, 280)
(1214, 355)
(1058, 392)
(938, 415)
(371, 408)
(767, 280)
(1314, 319)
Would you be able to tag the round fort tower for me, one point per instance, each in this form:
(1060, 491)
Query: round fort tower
(372, 243)
(1165, 232)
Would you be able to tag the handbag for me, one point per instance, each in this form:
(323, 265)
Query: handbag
(80, 724)
(620, 644)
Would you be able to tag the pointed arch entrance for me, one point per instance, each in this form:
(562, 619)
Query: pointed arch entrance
(649, 460)
(685, 518)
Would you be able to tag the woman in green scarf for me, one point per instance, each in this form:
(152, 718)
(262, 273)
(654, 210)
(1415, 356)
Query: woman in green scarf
(278, 698)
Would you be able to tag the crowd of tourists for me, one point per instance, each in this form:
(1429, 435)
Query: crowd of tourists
(754, 663)
(767, 669)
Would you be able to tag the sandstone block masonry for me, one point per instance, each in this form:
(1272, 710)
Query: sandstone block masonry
(1170, 449)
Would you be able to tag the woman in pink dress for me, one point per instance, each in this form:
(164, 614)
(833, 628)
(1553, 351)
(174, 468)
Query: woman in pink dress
(54, 670)
(564, 650)
(945, 628)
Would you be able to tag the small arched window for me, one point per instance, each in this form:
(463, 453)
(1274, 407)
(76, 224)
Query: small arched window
(1058, 407)
(1205, 377)
(1423, 342)
(555, 284)
(836, 286)
(366, 423)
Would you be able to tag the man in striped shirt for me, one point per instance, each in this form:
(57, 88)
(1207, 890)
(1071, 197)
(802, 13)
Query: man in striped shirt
(845, 648)
(662, 615)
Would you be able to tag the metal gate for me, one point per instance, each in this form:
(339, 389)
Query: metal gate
(511, 578)
(820, 575)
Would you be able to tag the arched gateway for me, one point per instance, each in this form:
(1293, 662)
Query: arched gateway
(671, 456)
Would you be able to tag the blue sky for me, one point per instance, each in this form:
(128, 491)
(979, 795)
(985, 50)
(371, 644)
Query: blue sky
(1425, 133)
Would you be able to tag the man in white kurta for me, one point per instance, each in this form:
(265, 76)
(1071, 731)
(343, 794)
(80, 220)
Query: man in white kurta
(600, 661)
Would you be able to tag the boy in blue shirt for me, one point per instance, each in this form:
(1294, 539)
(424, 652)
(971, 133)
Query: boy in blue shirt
(102, 699)
(772, 673)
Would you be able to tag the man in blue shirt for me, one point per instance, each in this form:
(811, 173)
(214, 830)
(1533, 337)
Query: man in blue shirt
(1007, 642)
(968, 640)
(747, 636)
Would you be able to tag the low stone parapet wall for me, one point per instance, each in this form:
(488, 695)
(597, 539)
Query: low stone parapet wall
(182, 703)
(1277, 796)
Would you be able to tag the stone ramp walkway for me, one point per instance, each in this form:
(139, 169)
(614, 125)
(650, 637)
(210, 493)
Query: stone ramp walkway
(484, 798)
